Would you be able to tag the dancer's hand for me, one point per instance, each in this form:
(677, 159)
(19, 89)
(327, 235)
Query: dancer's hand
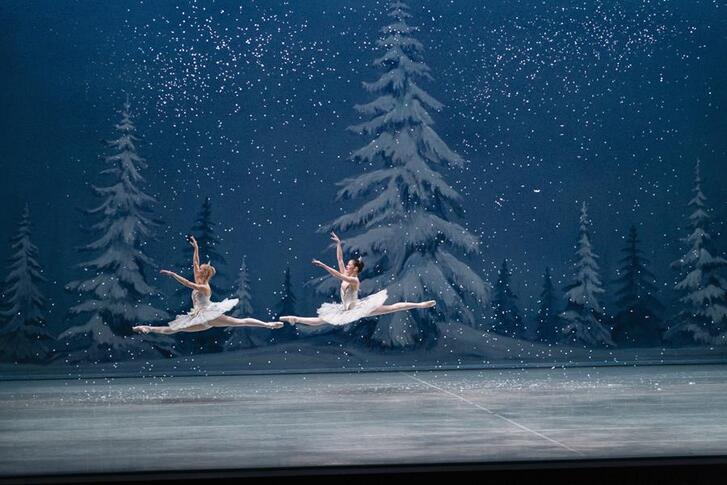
(192, 241)
(166, 272)
(335, 238)
(317, 263)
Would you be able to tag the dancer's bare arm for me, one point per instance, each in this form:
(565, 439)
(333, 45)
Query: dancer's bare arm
(195, 257)
(336, 274)
(184, 281)
(339, 252)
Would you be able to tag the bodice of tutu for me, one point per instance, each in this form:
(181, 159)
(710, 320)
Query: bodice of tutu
(349, 296)
(199, 300)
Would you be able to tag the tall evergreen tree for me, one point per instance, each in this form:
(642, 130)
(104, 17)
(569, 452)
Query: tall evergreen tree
(703, 313)
(205, 233)
(547, 322)
(23, 334)
(209, 243)
(116, 294)
(285, 306)
(404, 231)
(243, 337)
(720, 241)
(636, 322)
(506, 318)
(583, 315)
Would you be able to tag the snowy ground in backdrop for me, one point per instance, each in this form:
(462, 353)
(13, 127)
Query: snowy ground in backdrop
(460, 347)
(257, 421)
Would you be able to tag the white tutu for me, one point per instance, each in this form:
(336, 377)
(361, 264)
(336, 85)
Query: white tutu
(204, 313)
(336, 313)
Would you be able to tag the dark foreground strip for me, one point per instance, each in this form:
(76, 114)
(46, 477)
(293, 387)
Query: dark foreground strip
(686, 470)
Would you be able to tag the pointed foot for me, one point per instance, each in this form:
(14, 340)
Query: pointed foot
(429, 304)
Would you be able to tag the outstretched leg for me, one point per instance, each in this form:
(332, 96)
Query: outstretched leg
(312, 321)
(166, 330)
(403, 306)
(228, 321)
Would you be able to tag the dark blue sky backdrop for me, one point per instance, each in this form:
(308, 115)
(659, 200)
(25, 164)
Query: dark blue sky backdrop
(551, 102)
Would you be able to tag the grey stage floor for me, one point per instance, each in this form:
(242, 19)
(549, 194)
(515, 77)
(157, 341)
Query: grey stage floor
(193, 423)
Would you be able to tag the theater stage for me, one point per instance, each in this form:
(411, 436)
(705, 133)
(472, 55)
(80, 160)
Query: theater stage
(252, 422)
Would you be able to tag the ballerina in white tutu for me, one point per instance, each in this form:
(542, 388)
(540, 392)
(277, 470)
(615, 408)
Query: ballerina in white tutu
(351, 307)
(205, 314)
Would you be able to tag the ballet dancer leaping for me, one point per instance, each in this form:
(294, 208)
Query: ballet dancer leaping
(351, 307)
(205, 314)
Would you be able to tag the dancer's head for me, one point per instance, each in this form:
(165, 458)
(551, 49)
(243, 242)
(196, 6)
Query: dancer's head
(354, 267)
(206, 272)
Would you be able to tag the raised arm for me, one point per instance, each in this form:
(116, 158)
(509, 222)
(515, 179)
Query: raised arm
(339, 252)
(336, 274)
(195, 257)
(184, 281)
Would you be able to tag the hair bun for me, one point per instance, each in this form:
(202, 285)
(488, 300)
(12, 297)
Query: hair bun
(359, 264)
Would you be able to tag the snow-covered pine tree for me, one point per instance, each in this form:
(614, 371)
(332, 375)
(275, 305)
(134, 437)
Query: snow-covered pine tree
(547, 322)
(116, 294)
(285, 306)
(506, 318)
(720, 229)
(23, 334)
(703, 312)
(636, 322)
(243, 337)
(583, 315)
(405, 231)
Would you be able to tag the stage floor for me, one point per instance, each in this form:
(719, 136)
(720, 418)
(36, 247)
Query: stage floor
(261, 421)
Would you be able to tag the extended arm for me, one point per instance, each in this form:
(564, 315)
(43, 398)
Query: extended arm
(184, 281)
(336, 274)
(339, 252)
(195, 257)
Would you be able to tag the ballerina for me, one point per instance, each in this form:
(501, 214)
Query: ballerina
(351, 307)
(205, 314)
